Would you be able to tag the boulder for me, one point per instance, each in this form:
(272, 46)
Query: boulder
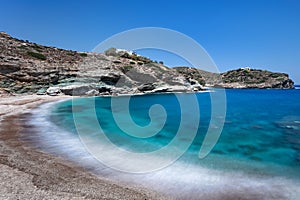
(104, 89)
(76, 90)
(146, 87)
(53, 91)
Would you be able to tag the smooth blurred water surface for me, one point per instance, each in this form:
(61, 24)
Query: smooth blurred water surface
(261, 134)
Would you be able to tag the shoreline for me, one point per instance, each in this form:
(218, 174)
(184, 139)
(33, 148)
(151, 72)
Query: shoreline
(28, 173)
(177, 181)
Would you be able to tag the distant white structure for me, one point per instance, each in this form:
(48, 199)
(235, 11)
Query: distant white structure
(125, 51)
(246, 68)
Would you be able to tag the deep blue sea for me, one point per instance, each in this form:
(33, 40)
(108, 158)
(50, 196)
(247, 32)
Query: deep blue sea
(259, 145)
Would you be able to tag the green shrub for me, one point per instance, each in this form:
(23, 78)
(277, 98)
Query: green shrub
(36, 55)
(83, 54)
(126, 68)
(201, 82)
(103, 58)
(37, 47)
(22, 47)
(70, 54)
(117, 62)
(280, 79)
(274, 75)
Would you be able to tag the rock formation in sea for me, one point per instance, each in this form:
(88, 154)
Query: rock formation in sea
(26, 67)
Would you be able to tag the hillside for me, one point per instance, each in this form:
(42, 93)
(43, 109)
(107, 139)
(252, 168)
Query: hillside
(254, 78)
(239, 78)
(27, 67)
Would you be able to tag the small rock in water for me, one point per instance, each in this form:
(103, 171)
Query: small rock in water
(291, 123)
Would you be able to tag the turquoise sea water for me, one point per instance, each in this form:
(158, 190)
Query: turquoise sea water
(260, 138)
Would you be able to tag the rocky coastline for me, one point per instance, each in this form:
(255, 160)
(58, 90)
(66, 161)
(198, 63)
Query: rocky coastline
(30, 68)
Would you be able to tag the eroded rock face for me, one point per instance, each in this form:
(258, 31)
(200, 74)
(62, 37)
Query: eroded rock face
(110, 78)
(27, 67)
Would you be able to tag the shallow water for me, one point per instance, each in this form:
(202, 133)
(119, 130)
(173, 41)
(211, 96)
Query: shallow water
(259, 147)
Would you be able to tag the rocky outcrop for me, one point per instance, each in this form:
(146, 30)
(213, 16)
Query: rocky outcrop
(240, 78)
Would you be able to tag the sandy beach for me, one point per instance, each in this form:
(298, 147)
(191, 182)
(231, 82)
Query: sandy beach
(28, 173)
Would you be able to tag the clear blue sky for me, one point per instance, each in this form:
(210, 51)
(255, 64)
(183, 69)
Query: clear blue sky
(256, 33)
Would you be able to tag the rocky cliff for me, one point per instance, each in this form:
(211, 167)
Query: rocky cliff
(27, 67)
